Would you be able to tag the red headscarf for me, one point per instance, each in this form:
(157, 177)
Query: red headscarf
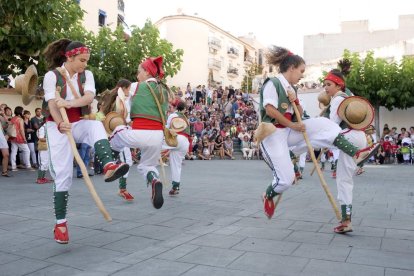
(154, 66)
(335, 79)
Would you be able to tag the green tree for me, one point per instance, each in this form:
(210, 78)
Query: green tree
(383, 83)
(252, 71)
(27, 26)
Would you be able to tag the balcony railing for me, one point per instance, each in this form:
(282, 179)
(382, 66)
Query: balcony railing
(233, 52)
(232, 72)
(248, 60)
(214, 43)
(214, 64)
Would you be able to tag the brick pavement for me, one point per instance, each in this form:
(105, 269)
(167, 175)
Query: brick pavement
(214, 227)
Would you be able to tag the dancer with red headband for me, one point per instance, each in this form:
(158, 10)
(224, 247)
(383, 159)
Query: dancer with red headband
(146, 130)
(343, 111)
(76, 94)
(276, 98)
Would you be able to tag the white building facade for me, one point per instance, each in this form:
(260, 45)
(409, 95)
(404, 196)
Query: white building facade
(211, 55)
(102, 13)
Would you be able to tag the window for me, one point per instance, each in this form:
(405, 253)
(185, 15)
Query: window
(102, 18)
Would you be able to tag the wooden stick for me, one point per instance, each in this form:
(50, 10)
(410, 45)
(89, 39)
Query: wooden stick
(322, 179)
(317, 160)
(82, 166)
(279, 197)
(162, 174)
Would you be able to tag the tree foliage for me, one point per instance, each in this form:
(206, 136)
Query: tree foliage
(383, 83)
(252, 71)
(27, 26)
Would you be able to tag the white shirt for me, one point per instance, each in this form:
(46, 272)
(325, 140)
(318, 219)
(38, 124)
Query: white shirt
(270, 95)
(335, 102)
(41, 132)
(172, 116)
(49, 85)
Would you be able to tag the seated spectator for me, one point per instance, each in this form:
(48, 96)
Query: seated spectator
(246, 148)
(380, 156)
(255, 148)
(219, 146)
(228, 147)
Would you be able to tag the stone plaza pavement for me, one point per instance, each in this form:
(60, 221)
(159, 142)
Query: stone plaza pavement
(214, 227)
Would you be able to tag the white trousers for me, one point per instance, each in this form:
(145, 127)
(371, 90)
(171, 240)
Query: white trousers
(148, 141)
(25, 153)
(247, 152)
(177, 155)
(126, 157)
(275, 148)
(346, 167)
(302, 160)
(43, 160)
(32, 153)
(60, 151)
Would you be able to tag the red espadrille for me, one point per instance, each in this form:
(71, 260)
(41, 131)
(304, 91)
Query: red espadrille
(113, 171)
(61, 233)
(268, 206)
(126, 195)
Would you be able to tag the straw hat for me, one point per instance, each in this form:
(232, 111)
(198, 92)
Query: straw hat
(112, 120)
(178, 124)
(26, 84)
(357, 112)
(324, 100)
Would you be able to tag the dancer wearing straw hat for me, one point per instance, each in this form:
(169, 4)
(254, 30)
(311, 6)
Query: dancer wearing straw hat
(353, 114)
(67, 61)
(146, 131)
(276, 98)
(117, 107)
(178, 122)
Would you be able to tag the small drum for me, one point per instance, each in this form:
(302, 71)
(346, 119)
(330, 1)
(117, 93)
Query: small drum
(405, 150)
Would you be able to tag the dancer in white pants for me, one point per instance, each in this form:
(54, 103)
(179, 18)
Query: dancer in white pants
(177, 154)
(67, 60)
(276, 97)
(334, 83)
(146, 131)
(43, 156)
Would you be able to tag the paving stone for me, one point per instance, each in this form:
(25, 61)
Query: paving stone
(54, 270)
(356, 241)
(155, 267)
(310, 237)
(322, 252)
(130, 244)
(211, 256)
(381, 258)
(320, 267)
(216, 240)
(263, 233)
(201, 270)
(267, 246)
(269, 263)
(398, 272)
(178, 252)
(403, 246)
(22, 267)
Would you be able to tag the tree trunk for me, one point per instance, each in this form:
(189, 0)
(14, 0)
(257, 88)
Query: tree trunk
(377, 122)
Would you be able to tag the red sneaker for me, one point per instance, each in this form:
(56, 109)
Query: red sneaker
(47, 180)
(268, 206)
(333, 174)
(156, 197)
(113, 171)
(126, 195)
(61, 233)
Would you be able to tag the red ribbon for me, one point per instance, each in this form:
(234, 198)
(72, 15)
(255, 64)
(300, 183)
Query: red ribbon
(335, 79)
(77, 51)
(154, 66)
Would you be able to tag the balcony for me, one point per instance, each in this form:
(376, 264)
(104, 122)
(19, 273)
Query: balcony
(214, 64)
(248, 60)
(233, 52)
(214, 43)
(232, 72)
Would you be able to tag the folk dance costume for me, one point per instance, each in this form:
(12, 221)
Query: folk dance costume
(43, 156)
(275, 147)
(90, 132)
(146, 131)
(346, 111)
(178, 122)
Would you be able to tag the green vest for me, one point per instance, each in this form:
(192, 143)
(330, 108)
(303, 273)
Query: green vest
(143, 104)
(283, 100)
(60, 81)
(182, 116)
(327, 113)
